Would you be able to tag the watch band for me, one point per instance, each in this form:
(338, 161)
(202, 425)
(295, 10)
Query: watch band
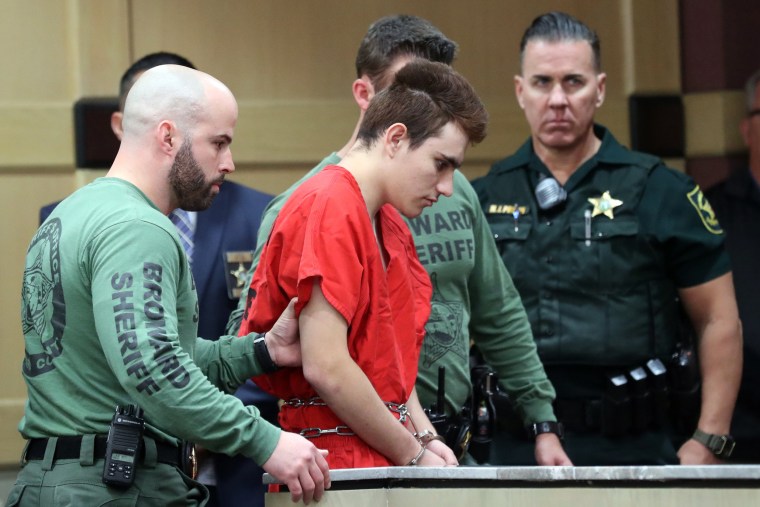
(720, 445)
(261, 352)
(540, 428)
(426, 436)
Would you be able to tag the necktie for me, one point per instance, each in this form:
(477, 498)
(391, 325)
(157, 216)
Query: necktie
(181, 221)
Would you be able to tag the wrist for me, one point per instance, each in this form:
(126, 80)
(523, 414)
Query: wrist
(424, 437)
(541, 428)
(416, 459)
(720, 445)
(261, 352)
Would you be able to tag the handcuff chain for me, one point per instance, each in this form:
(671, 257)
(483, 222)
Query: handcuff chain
(343, 431)
(401, 410)
(398, 408)
(311, 402)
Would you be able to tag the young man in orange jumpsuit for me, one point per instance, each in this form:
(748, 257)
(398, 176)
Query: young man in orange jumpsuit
(341, 247)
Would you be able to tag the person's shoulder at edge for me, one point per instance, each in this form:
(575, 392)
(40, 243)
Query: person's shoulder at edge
(738, 185)
(664, 179)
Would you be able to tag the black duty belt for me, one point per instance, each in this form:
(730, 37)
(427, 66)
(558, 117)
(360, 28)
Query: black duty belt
(584, 415)
(70, 448)
(579, 415)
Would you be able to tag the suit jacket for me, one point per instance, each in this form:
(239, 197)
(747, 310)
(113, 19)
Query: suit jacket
(737, 205)
(230, 224)
(46, 210)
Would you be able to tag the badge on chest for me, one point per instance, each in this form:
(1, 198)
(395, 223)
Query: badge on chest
(236, 266)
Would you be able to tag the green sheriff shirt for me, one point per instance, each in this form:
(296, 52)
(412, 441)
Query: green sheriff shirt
(473, 298)
(110, 314)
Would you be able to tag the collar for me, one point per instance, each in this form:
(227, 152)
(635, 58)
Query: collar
(610, 152)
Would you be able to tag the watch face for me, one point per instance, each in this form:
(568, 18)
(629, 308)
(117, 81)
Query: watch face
(725, 446)
(548, 427)
(720, 445)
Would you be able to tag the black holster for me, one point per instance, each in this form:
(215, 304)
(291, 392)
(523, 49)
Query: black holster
(685, 389)
(484, 382)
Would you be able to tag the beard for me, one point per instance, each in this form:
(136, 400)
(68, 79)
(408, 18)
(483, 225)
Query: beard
(188, 182)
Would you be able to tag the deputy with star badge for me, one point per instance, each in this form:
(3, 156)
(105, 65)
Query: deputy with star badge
(612, 248)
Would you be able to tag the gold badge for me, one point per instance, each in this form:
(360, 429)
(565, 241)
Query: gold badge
(604, 204)
(236, 265)
(705, 211)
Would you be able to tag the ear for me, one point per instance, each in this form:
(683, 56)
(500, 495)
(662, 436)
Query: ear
(519, 88)
(394, 138)
(601, 88)
(363, 92)
(745, 127)
(168, 138)
(116, 119)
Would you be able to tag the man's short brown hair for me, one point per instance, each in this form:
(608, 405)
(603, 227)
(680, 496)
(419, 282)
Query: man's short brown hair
(425, 96)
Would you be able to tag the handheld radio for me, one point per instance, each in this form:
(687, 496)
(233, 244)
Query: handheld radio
(123, 446)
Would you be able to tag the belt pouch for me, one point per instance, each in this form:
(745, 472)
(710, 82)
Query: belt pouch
(616, 407)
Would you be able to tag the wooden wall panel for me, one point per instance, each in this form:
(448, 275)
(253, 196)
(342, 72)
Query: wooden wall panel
(309, 65)
(720, 48)
(653, 50)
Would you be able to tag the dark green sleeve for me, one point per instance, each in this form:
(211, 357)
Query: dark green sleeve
(227, 362)
(677, 216)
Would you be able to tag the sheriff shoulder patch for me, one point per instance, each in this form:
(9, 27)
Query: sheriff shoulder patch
(704, 210)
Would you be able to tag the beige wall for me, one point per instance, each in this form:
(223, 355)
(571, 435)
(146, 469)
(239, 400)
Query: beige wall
(290, 63)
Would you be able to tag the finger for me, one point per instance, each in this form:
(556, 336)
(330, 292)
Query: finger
(319, 480)
(307, 484)
(324, 467)
(448, 456)
(294, 485)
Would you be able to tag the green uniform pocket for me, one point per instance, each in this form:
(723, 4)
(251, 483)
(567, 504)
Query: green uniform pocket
(14, 498)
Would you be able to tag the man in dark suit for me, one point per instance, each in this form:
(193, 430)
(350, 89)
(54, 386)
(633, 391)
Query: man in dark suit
(736, 202)
(222, 240)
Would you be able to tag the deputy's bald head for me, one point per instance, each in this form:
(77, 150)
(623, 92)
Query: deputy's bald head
(171, 92)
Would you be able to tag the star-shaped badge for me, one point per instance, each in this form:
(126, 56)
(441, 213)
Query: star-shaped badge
(239, 275)
(604, 205)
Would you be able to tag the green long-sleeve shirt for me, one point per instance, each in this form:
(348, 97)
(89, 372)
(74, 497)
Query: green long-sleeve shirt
(110, 316)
